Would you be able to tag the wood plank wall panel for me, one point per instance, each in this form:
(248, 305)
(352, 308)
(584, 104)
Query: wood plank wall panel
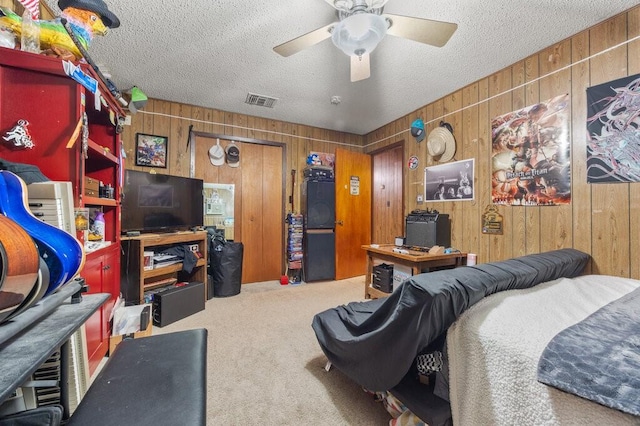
(414, 179)
(501, 246)
(433, 111)
(580, 189)
(148, 125)
(451, 107)
(532, 213)
(483, 163)
(610, 202)
(634, 190)
(129, 134)
(471, 149)
(519, 236)
(178, 160)
(557, 227)
(601, 219)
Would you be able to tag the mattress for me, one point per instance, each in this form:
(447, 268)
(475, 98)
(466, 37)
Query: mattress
(495, 346)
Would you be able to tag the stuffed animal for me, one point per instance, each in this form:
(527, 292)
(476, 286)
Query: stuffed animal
(313, 160)
(87, 18)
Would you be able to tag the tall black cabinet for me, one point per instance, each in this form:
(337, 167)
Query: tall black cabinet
(318, 204)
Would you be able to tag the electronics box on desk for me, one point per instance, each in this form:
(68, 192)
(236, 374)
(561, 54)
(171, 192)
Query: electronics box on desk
(177, 303)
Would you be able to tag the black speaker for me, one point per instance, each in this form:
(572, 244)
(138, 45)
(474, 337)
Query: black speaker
(319, 204)
(176, 303)
(428, 230)
(319, 255)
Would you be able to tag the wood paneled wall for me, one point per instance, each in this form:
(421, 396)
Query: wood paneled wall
(602, 219)
(173, 120)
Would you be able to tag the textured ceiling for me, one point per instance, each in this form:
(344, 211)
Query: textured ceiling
(211, 53)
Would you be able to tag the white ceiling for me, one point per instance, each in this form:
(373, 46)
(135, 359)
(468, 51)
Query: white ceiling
(211, 53)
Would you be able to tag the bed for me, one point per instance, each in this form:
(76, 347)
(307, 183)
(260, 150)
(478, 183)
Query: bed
(496, 347)
(495, 340)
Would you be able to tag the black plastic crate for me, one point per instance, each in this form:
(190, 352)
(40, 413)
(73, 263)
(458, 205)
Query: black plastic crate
(383, 277)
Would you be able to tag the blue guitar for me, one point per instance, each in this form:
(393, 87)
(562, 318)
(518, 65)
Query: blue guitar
(62, 253)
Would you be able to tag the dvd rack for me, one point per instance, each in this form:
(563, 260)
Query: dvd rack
(294, 247)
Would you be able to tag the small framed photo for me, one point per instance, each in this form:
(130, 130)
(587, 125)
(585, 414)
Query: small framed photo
(151, 150)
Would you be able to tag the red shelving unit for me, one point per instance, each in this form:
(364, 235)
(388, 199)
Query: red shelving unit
(35, 88)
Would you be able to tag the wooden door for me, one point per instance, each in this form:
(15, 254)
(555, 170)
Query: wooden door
(353, 212)
(388, 204)
(259, 201)
(262, 219)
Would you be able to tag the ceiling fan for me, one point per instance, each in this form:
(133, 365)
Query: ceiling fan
(361, 26)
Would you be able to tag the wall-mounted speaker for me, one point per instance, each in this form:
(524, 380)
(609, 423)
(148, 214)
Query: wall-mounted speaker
(319, 204)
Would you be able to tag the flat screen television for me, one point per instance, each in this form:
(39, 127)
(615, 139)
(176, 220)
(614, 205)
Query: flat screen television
(160, 203)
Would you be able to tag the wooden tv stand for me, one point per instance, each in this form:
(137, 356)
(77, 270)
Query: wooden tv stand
(135, 280)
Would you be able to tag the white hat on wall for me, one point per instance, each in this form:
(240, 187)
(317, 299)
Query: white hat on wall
(441, 145)
(216, 154)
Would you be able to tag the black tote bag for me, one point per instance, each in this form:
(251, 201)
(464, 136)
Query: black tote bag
(225, 266)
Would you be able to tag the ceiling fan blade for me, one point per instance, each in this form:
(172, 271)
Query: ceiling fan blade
(427, 31)
(360, 67)
(304, 41)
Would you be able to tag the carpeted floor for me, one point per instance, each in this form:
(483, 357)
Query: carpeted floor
(265, 366)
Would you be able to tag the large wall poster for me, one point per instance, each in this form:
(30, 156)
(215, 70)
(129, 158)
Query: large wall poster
(613, 129)
(450, 181)
(531, 155)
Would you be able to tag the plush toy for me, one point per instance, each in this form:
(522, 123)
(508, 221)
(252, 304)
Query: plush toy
(86, 17)
(313, 160)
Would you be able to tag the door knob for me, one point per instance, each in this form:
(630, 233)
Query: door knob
(339, 222)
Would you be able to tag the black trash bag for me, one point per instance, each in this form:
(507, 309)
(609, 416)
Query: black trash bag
(225, 259)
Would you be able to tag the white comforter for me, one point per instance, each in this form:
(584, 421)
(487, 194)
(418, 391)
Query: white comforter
(494, 349)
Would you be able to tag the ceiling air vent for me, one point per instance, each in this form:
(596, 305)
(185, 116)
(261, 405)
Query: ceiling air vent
(260, 100)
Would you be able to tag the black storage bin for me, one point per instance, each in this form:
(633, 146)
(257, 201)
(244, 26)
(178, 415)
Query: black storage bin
(383, 277)
(225, 263)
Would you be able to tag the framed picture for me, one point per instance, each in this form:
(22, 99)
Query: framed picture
(449, 181)
(151, 150)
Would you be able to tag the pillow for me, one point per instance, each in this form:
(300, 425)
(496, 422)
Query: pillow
(27, 172)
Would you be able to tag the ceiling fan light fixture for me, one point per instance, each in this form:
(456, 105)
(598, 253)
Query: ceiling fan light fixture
(359, 34)
(348, 5)
(376, 4)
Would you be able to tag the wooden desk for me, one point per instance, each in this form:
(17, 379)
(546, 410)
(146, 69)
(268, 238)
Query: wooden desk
(418, 261)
